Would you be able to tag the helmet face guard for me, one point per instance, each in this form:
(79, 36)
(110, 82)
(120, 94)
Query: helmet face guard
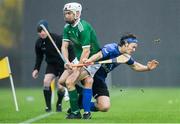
(74, 7)
(69, 20)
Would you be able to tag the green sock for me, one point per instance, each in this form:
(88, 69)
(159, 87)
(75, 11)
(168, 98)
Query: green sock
(74, 101)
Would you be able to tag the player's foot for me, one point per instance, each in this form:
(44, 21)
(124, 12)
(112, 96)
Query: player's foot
(58, 108)
(87, 115)
(48, 109)
(74, 116)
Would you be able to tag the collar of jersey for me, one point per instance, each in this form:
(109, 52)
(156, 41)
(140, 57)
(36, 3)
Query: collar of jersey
(76, 23)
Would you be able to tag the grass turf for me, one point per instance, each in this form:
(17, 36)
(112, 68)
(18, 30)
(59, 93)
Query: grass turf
(131, 105)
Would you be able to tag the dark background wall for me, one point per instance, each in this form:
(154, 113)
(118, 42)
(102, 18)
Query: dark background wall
(148, 19)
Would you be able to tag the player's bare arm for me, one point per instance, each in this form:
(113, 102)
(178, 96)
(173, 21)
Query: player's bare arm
(64, 50)
(85, 54)
(94, 58)
(151, 65)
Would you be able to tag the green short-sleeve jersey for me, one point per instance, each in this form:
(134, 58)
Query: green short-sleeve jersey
(82, 35)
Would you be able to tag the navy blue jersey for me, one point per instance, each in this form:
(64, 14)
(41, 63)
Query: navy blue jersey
(110, 51)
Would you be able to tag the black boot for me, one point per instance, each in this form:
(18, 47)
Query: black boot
(87, 115)
(76, 115)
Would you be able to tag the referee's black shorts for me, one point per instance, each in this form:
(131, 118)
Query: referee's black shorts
(55, 69)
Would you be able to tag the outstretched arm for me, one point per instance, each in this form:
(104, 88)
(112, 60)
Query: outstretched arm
(94, 58)
(151, 65)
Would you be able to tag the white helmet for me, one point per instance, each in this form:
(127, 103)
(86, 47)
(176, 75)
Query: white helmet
(74, 7)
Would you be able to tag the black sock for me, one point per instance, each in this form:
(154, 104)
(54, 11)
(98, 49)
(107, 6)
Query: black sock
(60, 95)
(47, 95)
(80, 101)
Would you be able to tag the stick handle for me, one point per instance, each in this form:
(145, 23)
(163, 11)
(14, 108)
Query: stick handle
(80, 65)
(44, 28)
(120, 59)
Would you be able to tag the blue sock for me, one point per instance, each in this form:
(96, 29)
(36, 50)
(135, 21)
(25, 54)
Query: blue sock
(93, 108)
(87, 94)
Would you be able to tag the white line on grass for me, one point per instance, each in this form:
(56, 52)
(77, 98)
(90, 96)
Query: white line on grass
(37, 118)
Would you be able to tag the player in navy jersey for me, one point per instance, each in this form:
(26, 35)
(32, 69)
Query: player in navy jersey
(128, 44)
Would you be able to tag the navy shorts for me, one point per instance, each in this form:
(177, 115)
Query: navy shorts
(99, 85)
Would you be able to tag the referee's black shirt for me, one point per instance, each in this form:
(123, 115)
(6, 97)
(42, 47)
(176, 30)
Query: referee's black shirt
(44, 47)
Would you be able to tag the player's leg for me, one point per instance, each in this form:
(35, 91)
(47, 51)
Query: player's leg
(61, 93)
(79, 88)
(66, 94)
(70, 84)
(64, 76)
(100, 93)
(86, 97)
(87, 74)
(102, 103)
(61, 89)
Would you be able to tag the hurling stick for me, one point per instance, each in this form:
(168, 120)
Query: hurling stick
(120, 59)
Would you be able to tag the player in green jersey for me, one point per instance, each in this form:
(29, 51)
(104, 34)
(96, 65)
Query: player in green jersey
(85, 44)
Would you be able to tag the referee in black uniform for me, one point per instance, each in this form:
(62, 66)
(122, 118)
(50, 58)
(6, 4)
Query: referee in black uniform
(55, 65)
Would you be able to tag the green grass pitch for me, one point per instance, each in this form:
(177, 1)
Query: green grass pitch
(130, 105)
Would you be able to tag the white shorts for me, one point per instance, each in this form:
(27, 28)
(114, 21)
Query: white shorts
(91, 69)
(75, 61)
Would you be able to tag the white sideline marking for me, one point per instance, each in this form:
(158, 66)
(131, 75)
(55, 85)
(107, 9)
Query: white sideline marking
(37, 118)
